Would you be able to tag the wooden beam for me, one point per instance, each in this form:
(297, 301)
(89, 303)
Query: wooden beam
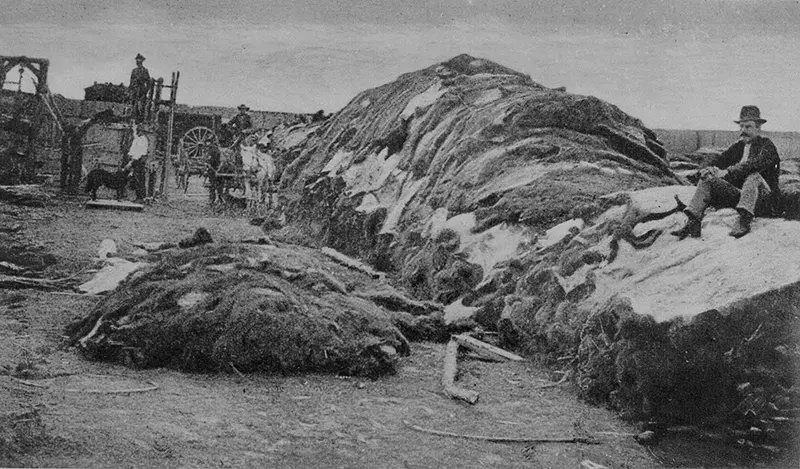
(449, 373)
(484, 348)
(114, 205)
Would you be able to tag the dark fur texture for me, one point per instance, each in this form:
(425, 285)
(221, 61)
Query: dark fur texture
(98, 178)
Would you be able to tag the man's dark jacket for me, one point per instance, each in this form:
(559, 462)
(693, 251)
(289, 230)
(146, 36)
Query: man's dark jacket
(763, 159)
(240, 122)
(140, 82)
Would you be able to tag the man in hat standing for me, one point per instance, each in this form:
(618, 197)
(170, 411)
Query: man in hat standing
(140, 85)
(745, 177)
(136, 160)
(240, 122)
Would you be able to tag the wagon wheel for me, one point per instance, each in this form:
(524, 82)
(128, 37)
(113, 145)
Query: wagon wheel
(194, 146)
(196, 141)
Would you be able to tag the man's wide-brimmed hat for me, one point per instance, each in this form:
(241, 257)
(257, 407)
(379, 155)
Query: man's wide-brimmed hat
(139, 57)
(243, 107)
(750, 113)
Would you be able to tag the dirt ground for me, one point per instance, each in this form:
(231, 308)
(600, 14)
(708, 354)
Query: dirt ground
(71, 416)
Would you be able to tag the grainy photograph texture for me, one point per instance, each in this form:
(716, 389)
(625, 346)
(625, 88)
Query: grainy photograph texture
(461, 233)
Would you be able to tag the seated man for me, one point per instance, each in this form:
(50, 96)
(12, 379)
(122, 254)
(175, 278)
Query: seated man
(745, 177)
(240, 122)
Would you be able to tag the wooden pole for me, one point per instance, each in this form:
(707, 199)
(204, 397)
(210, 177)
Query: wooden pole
(165, 176)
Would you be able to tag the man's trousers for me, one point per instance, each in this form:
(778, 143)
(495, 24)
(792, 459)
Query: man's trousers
(717, 192)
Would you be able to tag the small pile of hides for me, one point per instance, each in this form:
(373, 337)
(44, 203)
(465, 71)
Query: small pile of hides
(107, 92)
(242, 308)
(24, 194)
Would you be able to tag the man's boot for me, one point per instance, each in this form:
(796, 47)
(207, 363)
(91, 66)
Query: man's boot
(691, 228)
(742, 224)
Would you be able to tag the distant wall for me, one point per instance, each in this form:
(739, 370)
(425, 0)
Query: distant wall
(79, 109)
(686, 141)
(261, 119)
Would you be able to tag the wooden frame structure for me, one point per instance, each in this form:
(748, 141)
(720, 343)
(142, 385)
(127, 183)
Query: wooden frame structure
(26, 118)
(38, 67)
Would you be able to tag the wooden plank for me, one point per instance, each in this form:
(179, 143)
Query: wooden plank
(114, 205)
(449, 373)
(482, 347)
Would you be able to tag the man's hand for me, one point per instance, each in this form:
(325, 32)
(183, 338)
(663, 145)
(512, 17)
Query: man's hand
(712, 171)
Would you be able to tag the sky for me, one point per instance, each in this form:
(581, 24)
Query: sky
(674, 64)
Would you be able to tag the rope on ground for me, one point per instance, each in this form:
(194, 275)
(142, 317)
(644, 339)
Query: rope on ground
(501, 439)
(152, 387)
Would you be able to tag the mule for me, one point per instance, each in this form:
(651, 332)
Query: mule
(259, 172)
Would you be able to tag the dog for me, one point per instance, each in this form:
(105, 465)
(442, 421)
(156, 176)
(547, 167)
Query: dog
(98, 178)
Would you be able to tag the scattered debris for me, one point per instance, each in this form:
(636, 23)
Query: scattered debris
(11, 268)
(110, 276)
(648, 437)
(200, 237)
(587, 464)
(21, 430)
(259, 240)
(152, 247)
(13, 228)
(108, 248)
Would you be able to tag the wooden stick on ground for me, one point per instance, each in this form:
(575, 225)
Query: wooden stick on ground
(563, 380)
(350, 262)
(500, 439)
(13, 281)
(29, 383)
(484, 348)
(151, 387)
(449, 376)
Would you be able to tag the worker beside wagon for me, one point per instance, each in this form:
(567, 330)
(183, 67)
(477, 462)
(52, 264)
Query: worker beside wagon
(213, 163)
(137, 160)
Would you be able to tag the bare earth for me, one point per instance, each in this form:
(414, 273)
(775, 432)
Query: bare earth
(197, 420)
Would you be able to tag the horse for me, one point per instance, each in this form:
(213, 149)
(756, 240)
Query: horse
(259, 170)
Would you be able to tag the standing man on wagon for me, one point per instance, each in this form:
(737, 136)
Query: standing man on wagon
(745, 177)
(138, 89)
